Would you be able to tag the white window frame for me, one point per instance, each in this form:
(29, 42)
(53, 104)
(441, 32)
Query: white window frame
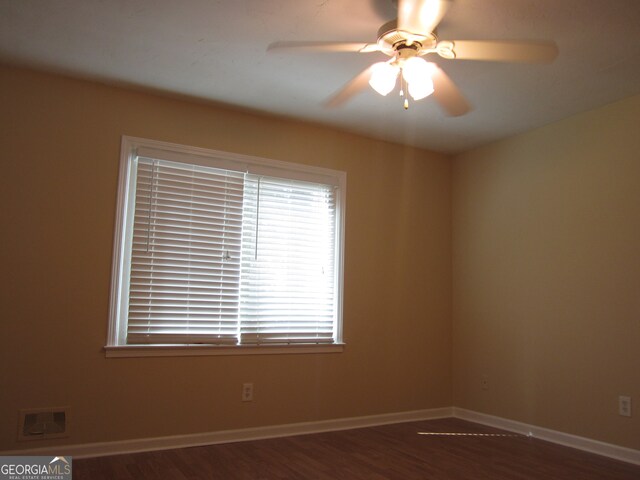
(115, 346)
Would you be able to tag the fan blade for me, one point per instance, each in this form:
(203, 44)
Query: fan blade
(325, 46)
(356, 85)
(420, 16)
(447, 94)
(506, 51)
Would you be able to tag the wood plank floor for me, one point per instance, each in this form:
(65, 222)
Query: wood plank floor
(387, 452)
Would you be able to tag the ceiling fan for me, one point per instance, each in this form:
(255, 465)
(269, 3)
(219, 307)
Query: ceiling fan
(411, 37)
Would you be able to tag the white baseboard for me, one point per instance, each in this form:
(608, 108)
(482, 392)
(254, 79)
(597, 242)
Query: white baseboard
(228, 436)
(258, 433)
(581, 443)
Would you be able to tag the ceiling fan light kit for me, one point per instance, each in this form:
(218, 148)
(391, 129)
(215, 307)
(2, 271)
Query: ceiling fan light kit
(405, 48)
(416, 74)
(413, 36)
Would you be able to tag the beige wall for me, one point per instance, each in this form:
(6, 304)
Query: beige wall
(546, 268)
(546, 273)
(60, 150)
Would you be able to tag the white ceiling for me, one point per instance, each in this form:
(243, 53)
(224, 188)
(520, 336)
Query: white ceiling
(216, 50)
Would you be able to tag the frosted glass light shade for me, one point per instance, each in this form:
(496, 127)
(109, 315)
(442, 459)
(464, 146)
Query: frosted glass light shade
(422, 89)
(417, 73)
(416, 70)
(383, 77)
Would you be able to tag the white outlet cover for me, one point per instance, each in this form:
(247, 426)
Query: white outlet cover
(624, 405)
(247, 392)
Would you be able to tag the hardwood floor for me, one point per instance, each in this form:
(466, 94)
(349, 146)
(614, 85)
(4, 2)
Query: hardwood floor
(379, 453)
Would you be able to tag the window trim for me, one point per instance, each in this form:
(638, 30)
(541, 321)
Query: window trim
(128, 150)
(198, 350)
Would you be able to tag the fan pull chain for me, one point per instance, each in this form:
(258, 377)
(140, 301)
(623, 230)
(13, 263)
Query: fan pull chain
(403, 83)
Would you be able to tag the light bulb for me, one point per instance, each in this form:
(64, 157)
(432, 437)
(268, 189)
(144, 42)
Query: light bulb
(422, 89)
(417, 73)
(416, 70)
(383, 77)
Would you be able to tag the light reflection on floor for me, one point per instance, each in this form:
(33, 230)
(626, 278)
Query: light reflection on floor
(458, 434)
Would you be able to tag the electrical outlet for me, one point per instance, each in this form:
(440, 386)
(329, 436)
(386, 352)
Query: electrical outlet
(247, 392)
(484, 382)
(624, 406)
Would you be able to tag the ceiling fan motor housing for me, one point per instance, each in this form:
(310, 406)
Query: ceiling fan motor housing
(392, 41)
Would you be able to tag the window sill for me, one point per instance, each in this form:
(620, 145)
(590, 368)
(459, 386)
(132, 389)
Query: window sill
(119, 351)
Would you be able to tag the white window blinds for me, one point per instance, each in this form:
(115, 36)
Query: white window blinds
(221, 255)
(185, 255)
(287, 279)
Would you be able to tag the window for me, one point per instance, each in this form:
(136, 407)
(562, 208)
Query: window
(221, 250)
